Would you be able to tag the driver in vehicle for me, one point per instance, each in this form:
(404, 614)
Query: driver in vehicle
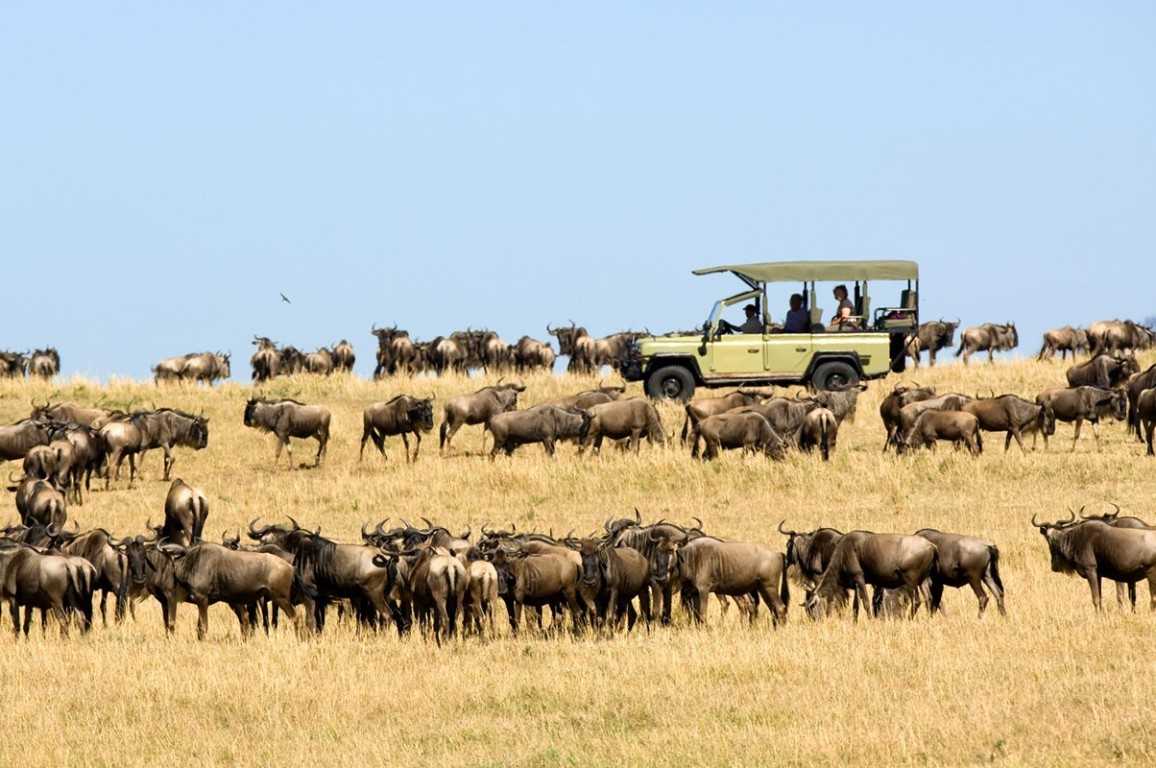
(751, 325)
(798, 320)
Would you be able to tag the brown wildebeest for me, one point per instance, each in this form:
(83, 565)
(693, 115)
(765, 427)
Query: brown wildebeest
(931, 336)
(545, 424)
(536, 581)
(735, 569)
(196, 366)
(965, 561)
(56, 583)
(989, 337)
(1013, 415)
(749, 431)
(186, 510)
(891, 406)
(624, 419)
(820, 429)
(481, 594)
(13, 365)
(932, 426)
(531, 355)
(882, 560)
(1095, 550)
(842, 403)
(320, 362)
(291, 361)
(265, 362)
(343, 357)
(39, 502)
(911, 412)
(142, 431)
(1080, 404)
(403, 415)
(589, 398)
(16, 440)
(1137, 384)
(433, 583)
(286, 419)
(810, 552)
(44, 363)
(1063, 340)
(477, 408)
(449, 354)
(88, 453)
(611, 578)
(698, 410)
(386, 363)
(1103, 371)
(111, 566)
(71, 412)
(1118, 336)
(1146, 413)
(211, 573)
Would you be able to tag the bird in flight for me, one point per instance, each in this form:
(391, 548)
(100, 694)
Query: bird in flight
(285, 299)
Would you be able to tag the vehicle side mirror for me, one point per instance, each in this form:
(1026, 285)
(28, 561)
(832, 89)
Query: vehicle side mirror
(705, 338)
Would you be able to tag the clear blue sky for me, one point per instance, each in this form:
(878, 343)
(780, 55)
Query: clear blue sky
(169, 168)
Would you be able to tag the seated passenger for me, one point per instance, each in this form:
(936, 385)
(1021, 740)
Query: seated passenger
(798, 319)
(842, 319)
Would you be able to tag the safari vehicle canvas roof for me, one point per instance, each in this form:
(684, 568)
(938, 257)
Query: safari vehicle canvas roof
(820, 271)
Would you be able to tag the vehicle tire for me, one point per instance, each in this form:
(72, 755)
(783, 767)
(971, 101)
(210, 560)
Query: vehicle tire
(671, 382)
(834, 376)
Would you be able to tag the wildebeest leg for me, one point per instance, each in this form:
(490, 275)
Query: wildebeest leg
(996, 590)
(168, 461)
(1093, 578)
(202, 619)
(1149, 430)
(131, 468)
(548, 444)
(1121, 592)
(631, 615)
(405, 442)
(916, 599)
(242, 612)
(322, 446)
(635, 440)
(103, 611)
(1096, 432)
(644, 607)
(861, 593)
(14, 612)
(283, 443)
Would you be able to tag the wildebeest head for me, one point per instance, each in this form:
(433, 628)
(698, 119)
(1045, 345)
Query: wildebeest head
(592, 552)
(566, 337)
(421, 414)
(663, 557)
(805, 550)
(134, 555)
(1059, 542)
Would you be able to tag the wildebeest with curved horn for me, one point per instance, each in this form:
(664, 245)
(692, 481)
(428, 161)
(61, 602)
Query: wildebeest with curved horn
(1103, 371)
(883, 560)
(403, 415)
(44, 363)
(809, 552)
(1095, 550)
(989, 337)
(611, 578)
(545, 424)
(1063, 340)
(1080, 404)
(143, 431)
(186, 510)
(697, 410)
(931, 336)
(286, 419)
(624, 419)
(1114, 519)
(16, 440)
(477, 408)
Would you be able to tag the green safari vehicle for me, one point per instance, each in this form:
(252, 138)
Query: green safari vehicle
(865, 345)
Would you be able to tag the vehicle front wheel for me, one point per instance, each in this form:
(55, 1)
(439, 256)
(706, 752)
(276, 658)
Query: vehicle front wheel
(670, 382)
(834, 376)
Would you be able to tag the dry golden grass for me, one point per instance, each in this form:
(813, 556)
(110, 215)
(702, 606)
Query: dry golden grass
(1053, 684)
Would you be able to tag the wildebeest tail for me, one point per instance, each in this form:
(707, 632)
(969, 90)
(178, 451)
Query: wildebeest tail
(451, 575)
(200, 509)
(993, 565)
(959, 351)
(979, 440)
(442, 433)
(300, 590)
(825, 439)
(785, 586)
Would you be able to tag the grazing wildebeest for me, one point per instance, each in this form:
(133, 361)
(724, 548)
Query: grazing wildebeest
(44, 363)
(1103, 371)
(1096, 550)
(545, 424)
(611, 578)
(16, 440)
(989, 337)
(1137, 384)
(842, 403)
(286, 419)
(210, 573)
(931, 336)
(893, 404)
(622, 419)
(1080, 404)
(1013, 415)
(733, 568)
(343, 357)
(13, 365)
(477, 408)
(783, 414)
(531, 355)
(932, 426)
(319, 362)
(965, 561)
(402, 415)
(111, 566)
(698, 410)
(186, 510)
(536, 580)
(66, 412)
(1063, 340)
(882, 560)
(57, 583)
(749, 431)
(820, 429)
(911, 412)
(266, 362)
(1118, 336)
(142, 431)
(39, 502)
(1146, 413)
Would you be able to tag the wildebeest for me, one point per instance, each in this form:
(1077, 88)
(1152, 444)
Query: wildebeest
(1137, 384)
(933, 425)
(13, 365)
(266, 362)
(622, 419)
(290, 360)
(343, 357)
(142, 431)
(196, 366)
(843, 404)
(1063, 340)
(319, 362)
(1094, 550)
(893, 404)
(931, 336)
(396, 352)
(403, 415)
(286, 419)
(88, 453)
(39, 502)
(965, 561)
(611, 578)
(809, 553)
(991, 337)
(65, 412)
(16, 440)
(44, 363)
(749, 431)
(111, 566)
(882, 560)
(1080, 404)
(1118, 336)
(50, 582)
(708, 566)
(477, 408)
(589, 398)
(820, 429)
(186, 510)
(545, 424)
(1114, 519)
(532, 355)
(54, 462)
(1013, 415)
(536, 581)
(1103, 371)
(211, 573)
(432, 584)
(1146, 413)
(481, 593)
(697, 410)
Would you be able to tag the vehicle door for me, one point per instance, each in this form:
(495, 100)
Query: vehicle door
(735, 354)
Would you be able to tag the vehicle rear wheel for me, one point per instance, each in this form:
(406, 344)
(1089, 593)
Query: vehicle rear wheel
(671, 382)
(834, 376)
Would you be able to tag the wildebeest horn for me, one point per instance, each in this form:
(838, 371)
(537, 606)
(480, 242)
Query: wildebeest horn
(1116, 509)
(364, 533)
(429, 526)
(549, 330)
(407, 525)
(637, 516)
(650, 535)
(469, 530)
(296, 525)
(699, 526)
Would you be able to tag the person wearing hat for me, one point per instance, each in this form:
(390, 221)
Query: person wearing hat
(751, 325)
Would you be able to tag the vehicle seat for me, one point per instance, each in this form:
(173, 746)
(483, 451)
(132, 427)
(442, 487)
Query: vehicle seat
(908, 298)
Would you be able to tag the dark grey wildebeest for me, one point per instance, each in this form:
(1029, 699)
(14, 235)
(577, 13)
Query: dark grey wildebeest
(989, 337)
(894, 403)
(1063, 340)
(343, 356)
(287, 419)
(477, 408)
(143, 431)
(265, 362)
(1095, 550)
(611, 578)
(1103, 371)
(933, 426)
(883, 560)
(820, 429)
(545, 424)
(16, 440)
(403, 415)
(1013, 415)
(1136, 385)
(747, 430)
(965, 561)
(1146, 414)
(697, 410)
(1080, 404)
(44, 363)
(1115, 520)
(60, 584)
(624, 420)
(931, 337)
